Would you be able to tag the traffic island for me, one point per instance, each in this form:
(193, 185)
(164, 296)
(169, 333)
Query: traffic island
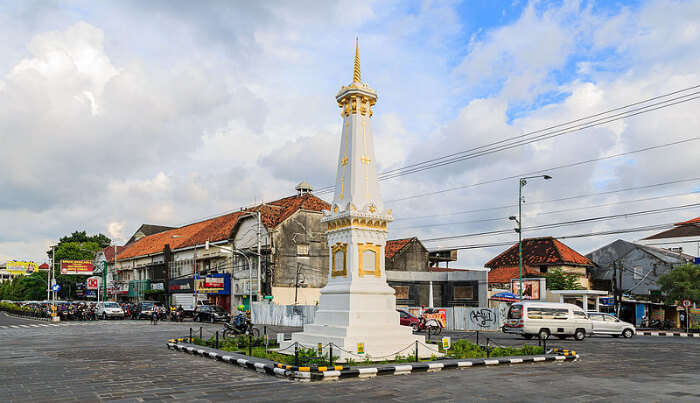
(337, 372)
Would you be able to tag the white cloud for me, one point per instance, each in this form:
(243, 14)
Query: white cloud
(115, 118)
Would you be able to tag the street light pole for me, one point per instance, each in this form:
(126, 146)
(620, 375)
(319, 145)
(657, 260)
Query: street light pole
(519, 230)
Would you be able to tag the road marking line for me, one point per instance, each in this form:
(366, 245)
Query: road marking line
(14, 326)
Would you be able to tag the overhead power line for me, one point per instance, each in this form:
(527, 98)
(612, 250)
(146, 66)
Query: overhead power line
(555, 200)
(566, 223)
(584, 235)
(540, 171)
(543, 134)
(549, 212)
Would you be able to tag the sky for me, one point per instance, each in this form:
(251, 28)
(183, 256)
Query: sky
(114, 114)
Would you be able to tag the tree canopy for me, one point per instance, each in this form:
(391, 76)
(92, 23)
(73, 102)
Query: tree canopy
(681, 282)
(76, 246)
(559, 280)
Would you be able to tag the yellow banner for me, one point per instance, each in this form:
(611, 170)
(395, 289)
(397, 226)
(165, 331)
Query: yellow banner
(15, 267)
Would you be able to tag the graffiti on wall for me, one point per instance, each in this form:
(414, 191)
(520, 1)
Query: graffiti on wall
(483, 317)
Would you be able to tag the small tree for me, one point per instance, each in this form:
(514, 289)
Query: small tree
(559, 280)
(681, 282)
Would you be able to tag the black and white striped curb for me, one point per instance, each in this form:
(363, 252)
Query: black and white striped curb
(304, 374)
(14, 315)
(669, 334)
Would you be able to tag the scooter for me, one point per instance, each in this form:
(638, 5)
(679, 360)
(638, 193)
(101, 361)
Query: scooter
(177, 316)
(240, 325)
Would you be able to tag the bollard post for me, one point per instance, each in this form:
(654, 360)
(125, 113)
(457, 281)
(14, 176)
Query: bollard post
(296, 354)
(217, 339)
(250, 343)
(330, 356)
(265, 330)
(417, 348)
(477, 337)
(544, 341)
(429, 333)
(190, 339)
(539, 341)
(200, 332)
(488, 350)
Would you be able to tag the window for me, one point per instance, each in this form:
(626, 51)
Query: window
(464, 292)
(515, 312)
(580, 315)
(302, 249)
(609, 318)
(401, 291)
(637, 273)
(547, 313)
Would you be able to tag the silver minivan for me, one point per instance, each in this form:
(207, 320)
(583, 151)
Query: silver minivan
(604, 323)
(545, 319)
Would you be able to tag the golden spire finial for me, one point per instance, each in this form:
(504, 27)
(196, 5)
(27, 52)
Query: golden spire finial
(356, 74)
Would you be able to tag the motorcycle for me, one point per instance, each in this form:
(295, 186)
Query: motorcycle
(661, 324)
(177, 316)
(240, 324)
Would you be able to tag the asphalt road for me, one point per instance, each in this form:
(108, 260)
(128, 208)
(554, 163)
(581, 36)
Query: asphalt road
(128, 361)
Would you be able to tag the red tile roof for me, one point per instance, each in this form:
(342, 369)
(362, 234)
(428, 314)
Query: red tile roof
(395, 245)
(694, 221)
(219, 228)
(109, 252)
(537, 252)
(505, 274)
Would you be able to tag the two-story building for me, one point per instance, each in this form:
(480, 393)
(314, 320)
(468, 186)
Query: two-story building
(219, 259)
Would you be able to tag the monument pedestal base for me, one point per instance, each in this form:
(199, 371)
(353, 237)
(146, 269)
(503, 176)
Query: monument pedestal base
(360, 314)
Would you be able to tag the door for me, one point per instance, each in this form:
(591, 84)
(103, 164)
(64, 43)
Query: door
(612, 325)
(639, 315)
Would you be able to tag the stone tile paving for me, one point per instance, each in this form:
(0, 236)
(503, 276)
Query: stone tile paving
(128, 361)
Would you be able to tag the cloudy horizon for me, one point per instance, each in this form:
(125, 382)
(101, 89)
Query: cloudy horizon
(118, 114)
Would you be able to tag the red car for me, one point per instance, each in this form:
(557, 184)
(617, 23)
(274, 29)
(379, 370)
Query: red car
(409, 320)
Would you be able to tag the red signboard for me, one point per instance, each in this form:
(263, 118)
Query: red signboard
(93, 283)
(214, 282)
(77, 267)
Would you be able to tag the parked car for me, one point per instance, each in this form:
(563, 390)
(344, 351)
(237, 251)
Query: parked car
(545, 319)
(109, 310)
(209, 313)
(604, 323)
(143, 310)
(406, 319)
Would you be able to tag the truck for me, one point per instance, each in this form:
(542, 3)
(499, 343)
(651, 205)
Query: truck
(187, 301)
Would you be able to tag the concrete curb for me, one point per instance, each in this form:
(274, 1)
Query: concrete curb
(669, 334)
(26, 317)
(326, 374)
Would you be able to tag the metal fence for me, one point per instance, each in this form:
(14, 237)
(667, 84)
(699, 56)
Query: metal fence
(467, 318)
(283, 315)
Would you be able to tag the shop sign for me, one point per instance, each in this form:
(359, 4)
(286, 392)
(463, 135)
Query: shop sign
(221, 284)
(181, 286)
(93, 283)
(157, 286)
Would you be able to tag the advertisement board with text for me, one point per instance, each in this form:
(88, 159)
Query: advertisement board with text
(18, 267)
(76, 267)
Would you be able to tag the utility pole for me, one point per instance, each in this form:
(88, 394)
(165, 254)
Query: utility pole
(614, 287)
(259, 289)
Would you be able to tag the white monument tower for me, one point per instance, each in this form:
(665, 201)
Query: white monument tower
(357, 305)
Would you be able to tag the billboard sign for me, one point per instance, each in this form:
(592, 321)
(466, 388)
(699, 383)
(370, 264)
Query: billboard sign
(531, 288)
(93, 283)
(24, 268)
(77, 267)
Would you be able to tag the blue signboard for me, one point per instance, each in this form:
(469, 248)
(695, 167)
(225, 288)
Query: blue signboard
(697, 260)
(607, 301)
(55, 288)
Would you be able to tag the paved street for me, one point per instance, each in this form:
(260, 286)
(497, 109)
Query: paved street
(128, 360)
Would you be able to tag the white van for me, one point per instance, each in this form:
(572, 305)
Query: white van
(544, 319)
